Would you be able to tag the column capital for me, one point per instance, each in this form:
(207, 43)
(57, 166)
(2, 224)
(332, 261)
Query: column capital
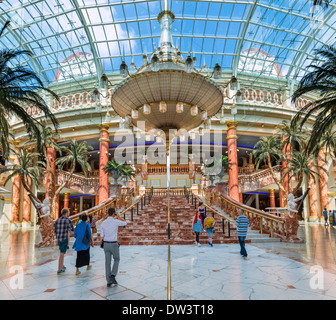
(232, 124)
(103, 127)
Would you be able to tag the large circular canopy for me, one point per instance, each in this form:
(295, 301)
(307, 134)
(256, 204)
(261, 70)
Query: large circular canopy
(74, 39)
(170, 86)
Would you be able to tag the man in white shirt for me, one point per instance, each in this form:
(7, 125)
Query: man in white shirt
(109, 233)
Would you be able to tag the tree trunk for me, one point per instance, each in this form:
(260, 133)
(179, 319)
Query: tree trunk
(24, 184)
(57, 192)
(280, 186)
(298, 186)
(50, 173)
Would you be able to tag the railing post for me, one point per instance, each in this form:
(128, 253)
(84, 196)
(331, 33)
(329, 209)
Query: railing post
(272, 229)
(261, 226)
(223, 225)
(131, 214)
(141, 203)
(229, 230)
(137, 208)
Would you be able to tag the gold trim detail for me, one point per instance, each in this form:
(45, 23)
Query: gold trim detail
(231, 137)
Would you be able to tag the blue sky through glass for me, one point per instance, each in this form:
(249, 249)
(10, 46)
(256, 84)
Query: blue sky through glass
(73, 39)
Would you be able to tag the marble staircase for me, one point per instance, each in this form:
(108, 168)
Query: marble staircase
(150, 226)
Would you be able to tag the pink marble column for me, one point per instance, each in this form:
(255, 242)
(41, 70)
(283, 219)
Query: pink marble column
(233, 158)
(323, 181)
(103, 159)
(272, 198)
(66, 199)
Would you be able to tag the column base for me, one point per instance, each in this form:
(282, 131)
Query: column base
(314, 219)
(194, 189)
(16, 226)
(142, 189)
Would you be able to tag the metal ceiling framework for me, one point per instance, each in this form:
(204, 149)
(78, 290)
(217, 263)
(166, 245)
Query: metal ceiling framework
(278, 32)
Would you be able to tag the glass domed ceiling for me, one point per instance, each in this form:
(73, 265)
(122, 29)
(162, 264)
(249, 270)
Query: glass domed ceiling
(74, 39)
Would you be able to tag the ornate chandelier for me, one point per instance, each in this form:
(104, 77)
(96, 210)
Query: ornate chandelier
(167, 92)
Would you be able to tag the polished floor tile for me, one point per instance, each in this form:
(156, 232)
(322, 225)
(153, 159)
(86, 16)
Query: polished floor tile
(274, 271)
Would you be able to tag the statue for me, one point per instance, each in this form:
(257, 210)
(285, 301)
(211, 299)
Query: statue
(292, 204)
(291, 221)
(45, 208)
(47, 225)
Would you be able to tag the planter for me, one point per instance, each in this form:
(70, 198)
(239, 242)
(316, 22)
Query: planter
(212, 179)
(115, 176)
(221, 174)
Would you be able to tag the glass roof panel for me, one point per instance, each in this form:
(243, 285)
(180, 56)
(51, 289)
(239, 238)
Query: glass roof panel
(72, 39)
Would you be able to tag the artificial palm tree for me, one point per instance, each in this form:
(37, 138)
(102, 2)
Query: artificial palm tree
(28, 168)
(299, 165)
(48, 139)
(328, 140)
(20, 87)
(292, 135)
(321, 79)
(267, 150)
(76, 153)
(117, 170)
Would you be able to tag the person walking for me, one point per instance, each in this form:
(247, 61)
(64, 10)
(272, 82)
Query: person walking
(62, 227)
(82, 244)
(109, 234)
(201, 210)
(92, 222)
(209, 227)
(197, 226)
(326, 217)
(242, 227)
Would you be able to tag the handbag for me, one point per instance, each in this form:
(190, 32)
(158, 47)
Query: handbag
(102, 244)
(86, 238)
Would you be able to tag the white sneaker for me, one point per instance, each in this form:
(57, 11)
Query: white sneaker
(198, 244)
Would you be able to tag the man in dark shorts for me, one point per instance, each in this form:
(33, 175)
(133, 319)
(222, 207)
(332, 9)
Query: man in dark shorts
(62, 227)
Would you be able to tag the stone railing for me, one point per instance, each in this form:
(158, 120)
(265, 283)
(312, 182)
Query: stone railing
(271, 98)
(163, 170)
(78, 182)
(284, 227)
(252, 181)
(100, 211)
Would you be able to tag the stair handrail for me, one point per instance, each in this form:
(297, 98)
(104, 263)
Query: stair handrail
(255, 214)
(132, 205)
(102, 207)
(214, 210)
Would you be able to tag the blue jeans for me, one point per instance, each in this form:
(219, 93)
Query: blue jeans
(242, 246)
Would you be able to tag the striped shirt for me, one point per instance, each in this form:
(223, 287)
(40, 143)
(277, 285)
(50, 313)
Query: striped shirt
(242, 225)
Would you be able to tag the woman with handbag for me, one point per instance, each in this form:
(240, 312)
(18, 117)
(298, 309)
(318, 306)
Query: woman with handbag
(197, 226)
(82, 244)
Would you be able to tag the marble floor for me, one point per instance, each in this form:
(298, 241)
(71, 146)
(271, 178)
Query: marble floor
(274, 271)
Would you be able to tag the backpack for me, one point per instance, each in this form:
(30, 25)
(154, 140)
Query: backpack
(209, 223)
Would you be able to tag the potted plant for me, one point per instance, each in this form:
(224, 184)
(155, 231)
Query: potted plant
(223, 163)
(118, 170)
